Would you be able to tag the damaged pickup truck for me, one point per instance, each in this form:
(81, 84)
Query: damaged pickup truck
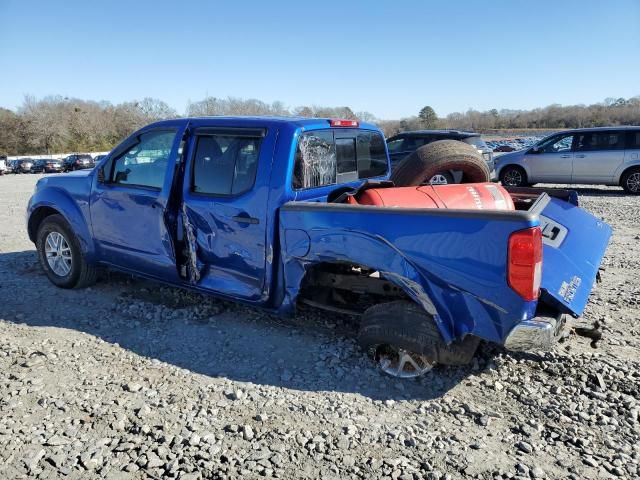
(273, 212)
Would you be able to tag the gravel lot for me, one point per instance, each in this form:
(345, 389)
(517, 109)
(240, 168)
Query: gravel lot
(129, 379)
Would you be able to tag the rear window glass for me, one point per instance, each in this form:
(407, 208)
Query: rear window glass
(477, 142)
(328, 157)
(633, 139)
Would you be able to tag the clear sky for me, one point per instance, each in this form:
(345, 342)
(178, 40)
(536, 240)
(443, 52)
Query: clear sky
(386, 57)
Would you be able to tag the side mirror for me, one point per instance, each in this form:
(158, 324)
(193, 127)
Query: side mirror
(101, 175)
(535, 149)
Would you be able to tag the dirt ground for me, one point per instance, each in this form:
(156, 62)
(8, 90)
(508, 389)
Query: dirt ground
(130, 379)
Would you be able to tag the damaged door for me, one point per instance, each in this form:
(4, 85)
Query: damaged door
(224, 211)
(129, 202)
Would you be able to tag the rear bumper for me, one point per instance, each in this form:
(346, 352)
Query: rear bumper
(538, 333)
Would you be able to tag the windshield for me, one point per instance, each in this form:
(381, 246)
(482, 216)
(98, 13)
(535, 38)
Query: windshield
(477, 142)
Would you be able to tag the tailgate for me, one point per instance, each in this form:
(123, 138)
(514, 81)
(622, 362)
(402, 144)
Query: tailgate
(574, 244)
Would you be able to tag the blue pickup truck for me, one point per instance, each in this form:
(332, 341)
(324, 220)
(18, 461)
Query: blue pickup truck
(272, 212)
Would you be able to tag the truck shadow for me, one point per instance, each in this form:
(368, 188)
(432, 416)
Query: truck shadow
(315, 351)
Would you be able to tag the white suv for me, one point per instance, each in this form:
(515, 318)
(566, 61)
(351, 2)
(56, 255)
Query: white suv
(3, 164)
(604, 155)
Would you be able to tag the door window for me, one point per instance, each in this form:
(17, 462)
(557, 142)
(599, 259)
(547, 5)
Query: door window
(145, 163)
(557, 144)
(594, 141)
(225, 164)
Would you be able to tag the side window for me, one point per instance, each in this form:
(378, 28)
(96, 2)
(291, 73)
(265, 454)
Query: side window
(145, 163)
(557, 144)
(633, 140)
(593, 141)
(395, 145)
(372, 159)
(323, 160)
(225, 164)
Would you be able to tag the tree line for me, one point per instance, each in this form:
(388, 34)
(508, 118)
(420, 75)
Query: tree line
(57, 124)
(612, 111)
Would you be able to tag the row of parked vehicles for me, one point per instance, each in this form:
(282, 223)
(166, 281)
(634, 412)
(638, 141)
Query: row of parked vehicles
(48, 165)
(591, 156)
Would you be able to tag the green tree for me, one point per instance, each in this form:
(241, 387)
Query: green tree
(428, 117)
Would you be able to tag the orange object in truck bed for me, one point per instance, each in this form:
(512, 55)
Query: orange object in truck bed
(467, 196)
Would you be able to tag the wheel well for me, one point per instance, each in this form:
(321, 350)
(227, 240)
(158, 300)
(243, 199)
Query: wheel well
(36, 219)
(347, 288)
(627, 170)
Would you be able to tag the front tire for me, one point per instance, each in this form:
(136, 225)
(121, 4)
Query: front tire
(513, 176)
(630, 181)
(60, 255)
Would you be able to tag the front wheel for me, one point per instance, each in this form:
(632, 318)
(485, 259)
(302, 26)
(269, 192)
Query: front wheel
(630, 181)
(60, 254)
(513, 176)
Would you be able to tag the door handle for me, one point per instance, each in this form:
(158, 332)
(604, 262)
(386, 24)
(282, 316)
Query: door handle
(580, 156)
(565, 156)
(246, 219)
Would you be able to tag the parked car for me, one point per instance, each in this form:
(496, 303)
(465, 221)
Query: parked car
(3, 165)
(77, 162)
(45, 165)
(605, 156)
(274, 212)
(405, 143)
(97, 158)
(23, 165)
(504, 148)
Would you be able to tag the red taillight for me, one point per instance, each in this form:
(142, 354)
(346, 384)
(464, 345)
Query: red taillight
(524, 271)
(343, 123)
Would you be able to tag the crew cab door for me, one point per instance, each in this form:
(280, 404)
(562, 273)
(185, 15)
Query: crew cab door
(552, 160)
(129, 201)
(598, 154)
(225, 195)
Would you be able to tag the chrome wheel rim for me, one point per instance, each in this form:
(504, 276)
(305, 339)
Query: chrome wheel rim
(401, 363)
(633, 182)
(58, 254)
(512, 178)
(438, 179)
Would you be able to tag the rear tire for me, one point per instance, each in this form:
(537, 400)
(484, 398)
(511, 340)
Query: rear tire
(403, 327)
(630, 181)
(71, 270)
(441, 157)
(513, 176)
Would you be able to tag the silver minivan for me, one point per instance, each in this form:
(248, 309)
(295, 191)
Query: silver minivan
(605, 156)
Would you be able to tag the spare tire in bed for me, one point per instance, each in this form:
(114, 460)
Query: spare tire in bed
(441, 157)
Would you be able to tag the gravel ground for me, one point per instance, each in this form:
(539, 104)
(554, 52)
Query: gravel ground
(130, 379)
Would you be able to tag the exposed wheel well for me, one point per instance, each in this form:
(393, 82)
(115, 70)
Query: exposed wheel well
(347, 288)
(36, 219)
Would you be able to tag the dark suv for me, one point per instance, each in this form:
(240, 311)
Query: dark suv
(405, 143)
(77, 161)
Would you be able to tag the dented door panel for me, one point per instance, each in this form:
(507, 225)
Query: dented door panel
(228, 247)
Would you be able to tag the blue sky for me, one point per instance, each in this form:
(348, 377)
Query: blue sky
(386, 57)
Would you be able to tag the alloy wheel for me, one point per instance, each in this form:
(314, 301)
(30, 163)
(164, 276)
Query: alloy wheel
(402, 363)
(512, 178)
(58, 253)
(633, 182)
